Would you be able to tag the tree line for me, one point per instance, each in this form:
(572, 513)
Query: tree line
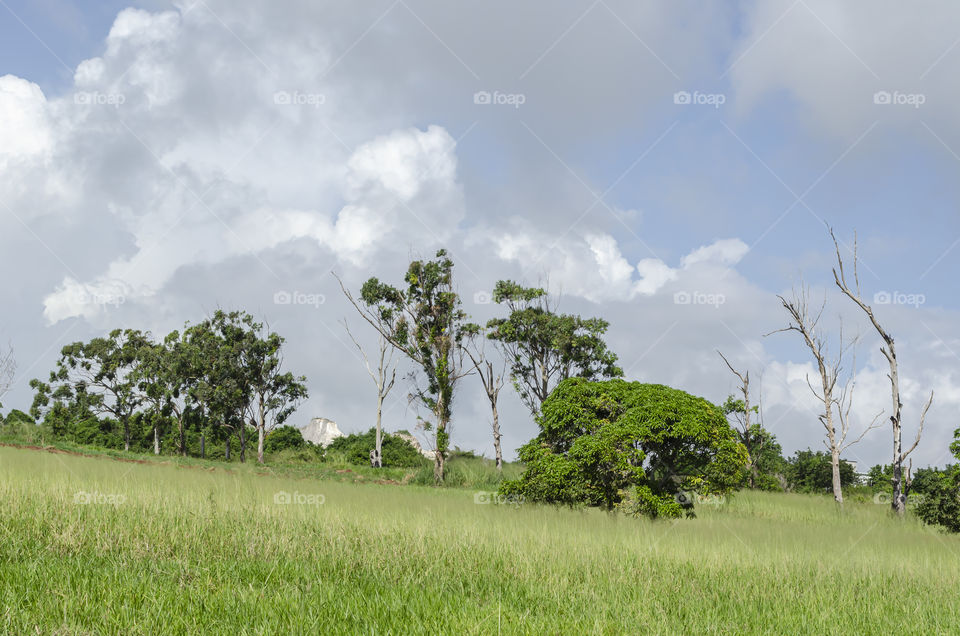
(222, 376)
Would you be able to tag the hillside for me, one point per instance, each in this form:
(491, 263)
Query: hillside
(92, 545)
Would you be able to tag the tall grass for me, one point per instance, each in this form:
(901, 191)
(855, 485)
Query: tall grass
(168, 549)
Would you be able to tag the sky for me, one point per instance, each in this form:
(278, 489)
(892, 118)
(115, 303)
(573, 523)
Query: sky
(669, 166)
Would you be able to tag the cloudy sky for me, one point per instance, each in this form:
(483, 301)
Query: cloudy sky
(671, 166)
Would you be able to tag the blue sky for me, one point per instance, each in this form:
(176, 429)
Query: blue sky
(201, 189)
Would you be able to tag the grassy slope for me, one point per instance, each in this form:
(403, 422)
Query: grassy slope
(191, 551)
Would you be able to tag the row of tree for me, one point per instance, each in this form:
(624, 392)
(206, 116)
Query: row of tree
(223, 373)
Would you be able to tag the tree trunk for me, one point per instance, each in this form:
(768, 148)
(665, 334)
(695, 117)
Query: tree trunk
(203, 446)
(835, 461)
(126, 434)
(438, 467)
(156, 440)
(899, 502)
(243, 443)
(496, 435)
(378, 449)
(183, 439)
(261, 432)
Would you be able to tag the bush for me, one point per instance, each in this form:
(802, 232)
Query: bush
(355, 449)
(283, 438)
(941, 501)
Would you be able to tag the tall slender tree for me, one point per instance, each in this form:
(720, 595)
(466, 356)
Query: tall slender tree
(423, 320)
(384, 378)
(900, 481)
(8, 371)
(806, 321)
(490, 375)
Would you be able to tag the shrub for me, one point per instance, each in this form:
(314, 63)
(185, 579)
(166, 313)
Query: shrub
(355, 449)
(282, 438)
(941, 501)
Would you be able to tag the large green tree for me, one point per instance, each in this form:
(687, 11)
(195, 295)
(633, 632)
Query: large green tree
(544, 347)
(99, 375)
(423, 320)
(617, 444)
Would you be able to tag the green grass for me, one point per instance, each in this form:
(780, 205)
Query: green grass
(188, 550)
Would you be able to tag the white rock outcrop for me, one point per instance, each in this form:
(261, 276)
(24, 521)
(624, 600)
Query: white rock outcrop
(321, 431)
(410, 439)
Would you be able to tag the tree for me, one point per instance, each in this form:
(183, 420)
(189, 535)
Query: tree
(741, 410)
(543, 347)
(424, 322)
(491, 377)
(812, 472)
(168, 373)
(224, 387)
(617, 444)
(901, 485)
(8, 371)
(805, 322)
(274, 393)
(385, 368)
(102, 375)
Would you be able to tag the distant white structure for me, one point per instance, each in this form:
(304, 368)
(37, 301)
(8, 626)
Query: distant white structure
(410, 439)
(321, 431)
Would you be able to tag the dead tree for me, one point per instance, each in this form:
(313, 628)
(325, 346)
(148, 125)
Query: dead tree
(492, 378)
(901, 484)
(746, 435)
(807, 324)
(385, 368)
(8, 370)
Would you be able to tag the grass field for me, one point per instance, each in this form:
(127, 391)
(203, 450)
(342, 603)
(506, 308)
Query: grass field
(95, 545)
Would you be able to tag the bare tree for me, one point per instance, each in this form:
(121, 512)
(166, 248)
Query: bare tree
(386, 368)
(901, 484)
(492, 378)
(807, 323)
(743, 418)
(8, 370)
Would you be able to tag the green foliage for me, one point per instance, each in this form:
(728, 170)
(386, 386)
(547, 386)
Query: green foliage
(543, 347)
(355, 449)
(424, 321)
(114, 391)
(628, 445)
(812, 472)
(284, 437)
(940, 502)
